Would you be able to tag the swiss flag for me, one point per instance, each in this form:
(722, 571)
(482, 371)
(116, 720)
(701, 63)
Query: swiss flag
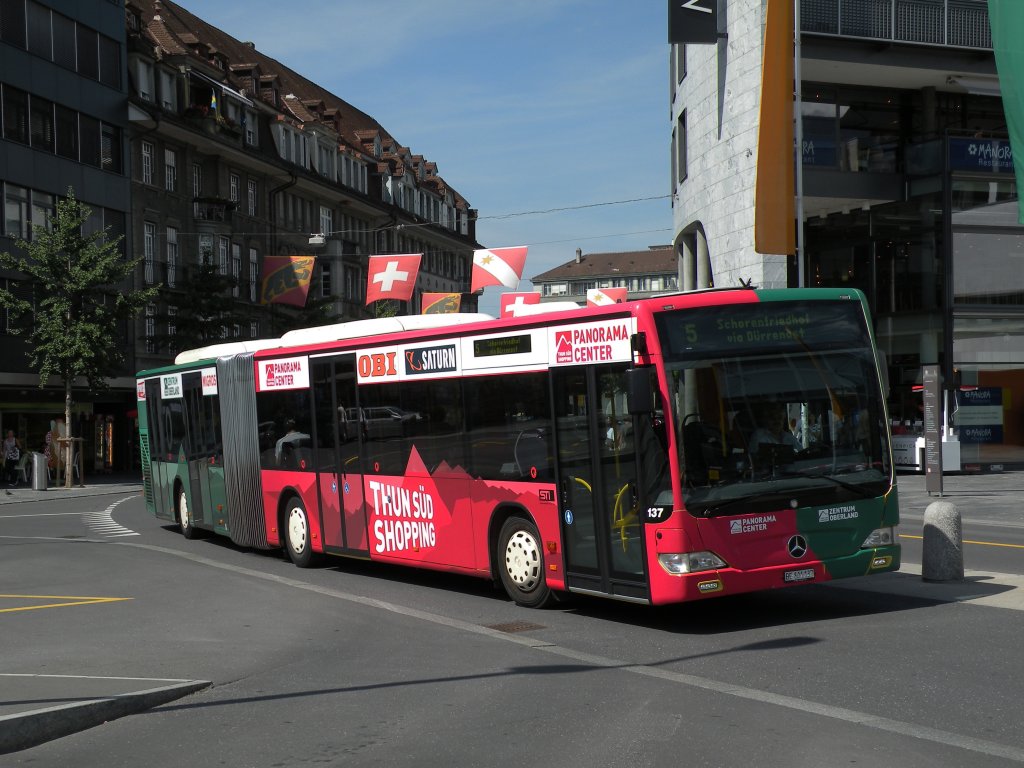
(509, 302)
(498, 266)
(602, 297)
(392, 277)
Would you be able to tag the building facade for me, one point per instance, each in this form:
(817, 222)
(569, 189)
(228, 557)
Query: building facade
(236, 157)
(199, 150)
(62, 95)
(641, 273)
(908, 194)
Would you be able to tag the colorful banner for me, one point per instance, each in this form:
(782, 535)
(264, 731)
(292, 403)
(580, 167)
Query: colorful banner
(392, 277)
(774, 208)
(286, 279)
(498, 266)
(1006, 19)
(602, 297)
(509, 302)
(441, 303)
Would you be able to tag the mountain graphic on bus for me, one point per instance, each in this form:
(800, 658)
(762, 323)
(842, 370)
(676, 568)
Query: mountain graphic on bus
(563, 346)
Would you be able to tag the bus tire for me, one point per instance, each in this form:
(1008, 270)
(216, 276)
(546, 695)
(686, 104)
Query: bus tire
(297, 542)
(520, 558)
(188, 530)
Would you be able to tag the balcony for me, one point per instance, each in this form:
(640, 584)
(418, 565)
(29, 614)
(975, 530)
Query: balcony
(951, 23)
(215, 209)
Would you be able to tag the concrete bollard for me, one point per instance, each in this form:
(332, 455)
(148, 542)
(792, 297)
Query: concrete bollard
(943, 555)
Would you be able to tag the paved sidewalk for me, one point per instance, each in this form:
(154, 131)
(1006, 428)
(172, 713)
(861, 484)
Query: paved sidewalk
(980, 498)
(93, 486)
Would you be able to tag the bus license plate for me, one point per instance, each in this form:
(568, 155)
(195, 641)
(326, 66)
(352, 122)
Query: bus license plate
(804, 574)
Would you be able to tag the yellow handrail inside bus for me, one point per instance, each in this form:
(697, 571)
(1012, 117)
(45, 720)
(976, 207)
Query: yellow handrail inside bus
(623, 518)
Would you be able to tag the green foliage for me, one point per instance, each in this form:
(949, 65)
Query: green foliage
(82, 295)
(206, 310)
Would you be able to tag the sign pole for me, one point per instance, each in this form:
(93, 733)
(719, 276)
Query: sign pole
(932, 396)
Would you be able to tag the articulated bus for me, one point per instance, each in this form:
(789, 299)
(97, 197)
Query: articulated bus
(655, 451)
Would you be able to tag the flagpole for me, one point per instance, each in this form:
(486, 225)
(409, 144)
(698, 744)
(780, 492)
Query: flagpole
(799, 118)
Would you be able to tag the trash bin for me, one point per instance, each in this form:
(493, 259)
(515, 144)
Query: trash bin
(39, 477)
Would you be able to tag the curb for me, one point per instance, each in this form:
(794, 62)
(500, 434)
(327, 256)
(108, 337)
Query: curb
(29, 729)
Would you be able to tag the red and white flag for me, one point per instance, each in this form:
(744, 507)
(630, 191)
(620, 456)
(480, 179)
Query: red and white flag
(498, 266)
(509, 302)
(392, 277)
(602, 297)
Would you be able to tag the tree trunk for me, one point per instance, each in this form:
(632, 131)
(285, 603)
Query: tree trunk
(67, 447)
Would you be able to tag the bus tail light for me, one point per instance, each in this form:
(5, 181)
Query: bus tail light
(690, 562)
(880, 537)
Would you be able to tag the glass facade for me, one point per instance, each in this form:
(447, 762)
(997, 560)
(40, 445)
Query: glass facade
(941, 258)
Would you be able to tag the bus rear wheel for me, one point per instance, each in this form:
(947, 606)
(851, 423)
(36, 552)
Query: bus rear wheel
(296, 533)
(521, 563)
(184, 518)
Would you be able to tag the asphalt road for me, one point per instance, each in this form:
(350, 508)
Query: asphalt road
(356, 664)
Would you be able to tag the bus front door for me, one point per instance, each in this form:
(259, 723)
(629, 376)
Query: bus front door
(597, 474)
(339, 472)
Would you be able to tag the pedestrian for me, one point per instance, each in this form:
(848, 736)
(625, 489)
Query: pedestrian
(12, 452)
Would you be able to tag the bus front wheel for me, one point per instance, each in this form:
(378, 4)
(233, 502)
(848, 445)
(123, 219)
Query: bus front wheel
(521, 563)
(184, 518)
(297, 539)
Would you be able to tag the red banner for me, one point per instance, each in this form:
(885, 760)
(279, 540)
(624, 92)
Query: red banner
(441, 303)
(600, 297)
(286, 279)
(509, 302)
(392, 277)
(498, 266)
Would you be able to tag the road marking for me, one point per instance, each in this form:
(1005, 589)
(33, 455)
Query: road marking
(102, 522)
(924, 733)
(72, 600)
(972, 541)
(41, 514)
(98, 677)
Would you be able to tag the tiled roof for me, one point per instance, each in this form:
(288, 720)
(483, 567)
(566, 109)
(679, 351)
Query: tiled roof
(178, 32)
(656, 260)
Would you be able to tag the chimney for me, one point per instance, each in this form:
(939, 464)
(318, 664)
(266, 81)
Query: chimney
(579, 255)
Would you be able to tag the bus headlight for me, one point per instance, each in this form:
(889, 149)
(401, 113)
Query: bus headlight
(690, 562)
(880, 537)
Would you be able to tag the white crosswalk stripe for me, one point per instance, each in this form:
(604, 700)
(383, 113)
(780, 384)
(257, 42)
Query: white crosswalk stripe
(102, 522)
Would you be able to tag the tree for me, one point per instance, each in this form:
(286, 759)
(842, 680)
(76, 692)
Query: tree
(205, 310)
(79, 301)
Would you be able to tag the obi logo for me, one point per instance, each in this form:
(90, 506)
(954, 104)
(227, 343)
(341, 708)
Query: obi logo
(377, 365)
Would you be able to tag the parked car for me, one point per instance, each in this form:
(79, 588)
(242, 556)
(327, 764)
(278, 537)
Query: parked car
(383, 421)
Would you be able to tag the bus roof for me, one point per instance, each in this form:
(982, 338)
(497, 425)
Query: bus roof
(226, 349)
(355, 329)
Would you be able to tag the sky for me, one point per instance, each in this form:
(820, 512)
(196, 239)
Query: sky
(526, 106)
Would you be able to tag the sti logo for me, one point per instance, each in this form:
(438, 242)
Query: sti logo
(563, 346)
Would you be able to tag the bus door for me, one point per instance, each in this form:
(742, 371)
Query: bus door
(597, 475)
(199, 449)
(339, 472)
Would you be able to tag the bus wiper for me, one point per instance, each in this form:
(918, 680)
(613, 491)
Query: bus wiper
(859, 490)
(718, 509)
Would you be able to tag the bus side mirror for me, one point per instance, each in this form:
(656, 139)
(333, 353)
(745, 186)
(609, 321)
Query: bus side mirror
(639, 395)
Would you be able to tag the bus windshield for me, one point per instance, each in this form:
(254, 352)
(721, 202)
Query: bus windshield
(775, 402)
